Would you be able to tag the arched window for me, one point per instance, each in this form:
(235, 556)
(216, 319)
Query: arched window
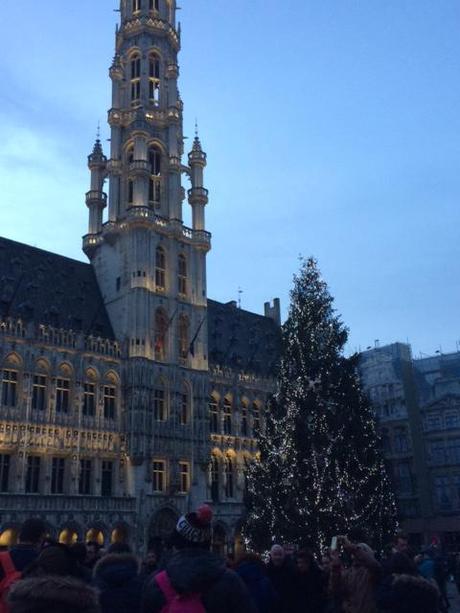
(214, 415)
(110, 396)
(160, 269)
(136, 6)
(90, 393)
(183, 336)
(215, 478)
(229, 477)
(182, 275)
(227, 416)
(255, 419)
(135, 65)
(154, 5)
(154, 79)
(161, 333)
(155, 177)
(244, 419)
(9, 387)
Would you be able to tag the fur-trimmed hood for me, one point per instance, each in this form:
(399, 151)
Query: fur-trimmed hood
(116, 569)
(51, 593)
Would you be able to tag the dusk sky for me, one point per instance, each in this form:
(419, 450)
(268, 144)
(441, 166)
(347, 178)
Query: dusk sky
(332, 129)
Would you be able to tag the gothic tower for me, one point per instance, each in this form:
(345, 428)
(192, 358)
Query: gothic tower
(151, 269)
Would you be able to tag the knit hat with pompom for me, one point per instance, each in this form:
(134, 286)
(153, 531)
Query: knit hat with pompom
(195, 527)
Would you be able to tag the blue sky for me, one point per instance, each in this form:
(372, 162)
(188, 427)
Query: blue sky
(332, 128)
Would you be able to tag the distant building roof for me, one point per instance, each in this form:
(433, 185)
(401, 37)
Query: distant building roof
(36, 285)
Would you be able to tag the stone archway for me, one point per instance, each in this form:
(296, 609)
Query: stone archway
(161, 528)
(69, 533)
(120, 533)
(8, 538)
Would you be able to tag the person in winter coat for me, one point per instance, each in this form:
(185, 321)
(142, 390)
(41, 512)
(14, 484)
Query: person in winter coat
(252, 571)
(52, 594)
(282, 573)
(55, 560)
(310, 584)
(31, 537)
(116, 576)
(410, 594)
(193, 572)
(355, 585)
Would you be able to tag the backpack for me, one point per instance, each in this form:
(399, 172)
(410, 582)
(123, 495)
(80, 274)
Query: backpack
(177, 603)
(11, 576)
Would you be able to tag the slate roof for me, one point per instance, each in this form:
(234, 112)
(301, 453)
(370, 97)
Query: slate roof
(36, 285)
(242, 340)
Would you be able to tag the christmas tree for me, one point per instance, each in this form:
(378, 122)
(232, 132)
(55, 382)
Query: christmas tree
(320, 470)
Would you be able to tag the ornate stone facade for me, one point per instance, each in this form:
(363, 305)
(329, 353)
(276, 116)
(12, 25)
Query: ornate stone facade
(128, 397)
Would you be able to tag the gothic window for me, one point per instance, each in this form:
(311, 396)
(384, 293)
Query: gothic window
(130, 191)
(135, 65)
(443, 493)
(154, 5)
(255, 419)
(183, 336)
(110, 401)
(401, 440)
(244, 419)
(160, 269)
(182, 275)
(84, 483)
(4, 472)
(227, 416)
(89, 400)
(159, 404)
(39, 392)
(161, 334)
(33, 474)
(9, 388)
(214, 415)
(136, 6)
(215, 479)
(106, 478)
(155, 177)
(229, 477)
(184, 415)
(386, 441)
(57, 475)
(154, 79)
(62, 395)
(184, 473)
(159, 476)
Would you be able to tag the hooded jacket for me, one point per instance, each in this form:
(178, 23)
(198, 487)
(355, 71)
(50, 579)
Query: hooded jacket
(259, 585)
(51, 593)
(116, 576)
(194, 571)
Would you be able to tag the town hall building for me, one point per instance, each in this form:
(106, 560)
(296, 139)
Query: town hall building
(127, 395)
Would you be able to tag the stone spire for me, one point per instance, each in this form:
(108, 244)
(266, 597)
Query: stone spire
(96, 199)
(197, 195)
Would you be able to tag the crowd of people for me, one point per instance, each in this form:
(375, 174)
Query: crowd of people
(39, 575)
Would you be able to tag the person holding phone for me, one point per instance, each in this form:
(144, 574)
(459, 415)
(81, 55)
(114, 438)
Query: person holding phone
(356, 584)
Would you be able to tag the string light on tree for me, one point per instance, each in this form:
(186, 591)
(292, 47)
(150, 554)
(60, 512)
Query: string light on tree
(320, 470)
